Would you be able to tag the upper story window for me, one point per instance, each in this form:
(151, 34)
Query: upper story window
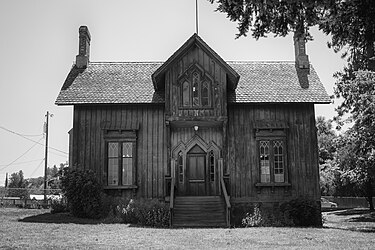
(195, 90)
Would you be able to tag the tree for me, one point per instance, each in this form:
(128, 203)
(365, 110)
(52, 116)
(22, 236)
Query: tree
(17, 185)
(361, 96)
(327, 151)
(272, 16)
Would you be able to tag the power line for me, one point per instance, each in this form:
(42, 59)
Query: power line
(20, 163)
(23, 135)
(21, 155)
(37, 167)
(32, 140)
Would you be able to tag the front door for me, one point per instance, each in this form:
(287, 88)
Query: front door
(196, 174)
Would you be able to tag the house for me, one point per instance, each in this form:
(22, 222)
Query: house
(197, 131)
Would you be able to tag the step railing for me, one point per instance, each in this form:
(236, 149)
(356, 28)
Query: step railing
(227, 202)
(172, 195)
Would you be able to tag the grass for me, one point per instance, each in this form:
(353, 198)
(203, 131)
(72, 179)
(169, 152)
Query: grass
(26, 228)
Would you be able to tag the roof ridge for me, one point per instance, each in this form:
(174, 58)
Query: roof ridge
(127, 62)
(263, 62)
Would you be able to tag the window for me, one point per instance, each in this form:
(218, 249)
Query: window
(120, 163)
(196, 91)
(180, 166)
(212, 165)
(271, 154)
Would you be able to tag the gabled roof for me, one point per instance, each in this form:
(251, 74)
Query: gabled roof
(131, 82)
(194, 40)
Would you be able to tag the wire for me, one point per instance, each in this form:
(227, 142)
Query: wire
(37, 167)
(23, 135)
(21, 155)
(20, 163)
(32, 140)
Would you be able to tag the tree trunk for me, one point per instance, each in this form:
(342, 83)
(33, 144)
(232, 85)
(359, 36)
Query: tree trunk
(369, 194)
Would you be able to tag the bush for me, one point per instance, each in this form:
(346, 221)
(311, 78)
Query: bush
(146, 212)
(263, 217)
(303, 212)
(84, 194)
(58, 206)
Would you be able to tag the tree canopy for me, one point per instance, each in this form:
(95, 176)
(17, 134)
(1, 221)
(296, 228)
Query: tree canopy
(262, 17)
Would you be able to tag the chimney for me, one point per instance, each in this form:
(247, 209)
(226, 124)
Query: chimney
(302, 60)
(82, 59)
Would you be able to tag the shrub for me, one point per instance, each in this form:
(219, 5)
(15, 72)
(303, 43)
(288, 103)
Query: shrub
(146, 212)
(303, 212)
(266, 217)
(253, 219)
(84, 194)
(58, 206)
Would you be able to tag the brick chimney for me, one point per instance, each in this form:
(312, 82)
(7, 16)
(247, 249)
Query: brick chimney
(302, 60)
(82, 59)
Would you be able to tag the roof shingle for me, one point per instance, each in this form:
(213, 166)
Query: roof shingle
(130, 82)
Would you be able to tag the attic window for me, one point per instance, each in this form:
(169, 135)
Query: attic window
(195, 90)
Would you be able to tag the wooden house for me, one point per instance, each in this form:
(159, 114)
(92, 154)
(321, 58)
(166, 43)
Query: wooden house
(196, 131)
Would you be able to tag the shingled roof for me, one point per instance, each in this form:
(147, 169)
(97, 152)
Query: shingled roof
(131, 82)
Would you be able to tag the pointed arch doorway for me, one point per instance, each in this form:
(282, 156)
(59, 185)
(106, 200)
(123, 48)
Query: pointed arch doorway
(196, 167)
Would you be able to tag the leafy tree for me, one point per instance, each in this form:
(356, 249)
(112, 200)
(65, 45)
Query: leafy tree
(17, 185)
(326, 139)
(327, 150)
(279, 17)
(361, 95)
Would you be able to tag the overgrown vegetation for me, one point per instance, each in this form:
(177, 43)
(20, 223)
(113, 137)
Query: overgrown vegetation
(301, 212)
(86, 199)
(84, 194)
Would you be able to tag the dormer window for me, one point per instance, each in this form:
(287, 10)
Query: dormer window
(195, 90)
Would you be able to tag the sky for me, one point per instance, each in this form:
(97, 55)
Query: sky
(39, 42)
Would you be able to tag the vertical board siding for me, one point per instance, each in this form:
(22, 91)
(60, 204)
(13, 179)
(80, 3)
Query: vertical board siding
(196, 56)
(151, 154)
(301, 143)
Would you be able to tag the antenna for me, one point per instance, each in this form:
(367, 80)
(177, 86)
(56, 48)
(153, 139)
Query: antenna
(196, 16)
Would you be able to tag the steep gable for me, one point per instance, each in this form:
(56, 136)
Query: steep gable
(158, 76)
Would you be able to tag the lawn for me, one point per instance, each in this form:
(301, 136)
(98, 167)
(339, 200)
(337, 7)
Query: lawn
(351, 229)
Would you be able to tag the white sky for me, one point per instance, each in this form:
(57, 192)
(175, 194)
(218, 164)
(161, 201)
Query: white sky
(39, 42)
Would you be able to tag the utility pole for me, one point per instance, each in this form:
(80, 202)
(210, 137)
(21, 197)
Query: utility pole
(46, 157)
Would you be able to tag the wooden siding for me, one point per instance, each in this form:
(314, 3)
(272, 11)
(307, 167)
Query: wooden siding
(302, 152)
(196, 56)
(89, 145)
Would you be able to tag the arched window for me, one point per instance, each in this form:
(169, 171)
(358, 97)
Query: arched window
(186, 94)
(205, 94)
(196, 82)
(212, 165)
(195, 90)
(180, 166)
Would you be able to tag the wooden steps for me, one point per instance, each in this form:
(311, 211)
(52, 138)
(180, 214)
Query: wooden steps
(199, 211)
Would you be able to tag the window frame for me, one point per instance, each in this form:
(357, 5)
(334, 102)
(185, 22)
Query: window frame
(272, 135)
(120, 137)
(189, 79)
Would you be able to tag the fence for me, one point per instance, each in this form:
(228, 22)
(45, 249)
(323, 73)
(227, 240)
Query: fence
(28, 197)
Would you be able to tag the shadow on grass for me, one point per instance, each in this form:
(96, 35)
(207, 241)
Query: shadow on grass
(59, 218)
(357, 211)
